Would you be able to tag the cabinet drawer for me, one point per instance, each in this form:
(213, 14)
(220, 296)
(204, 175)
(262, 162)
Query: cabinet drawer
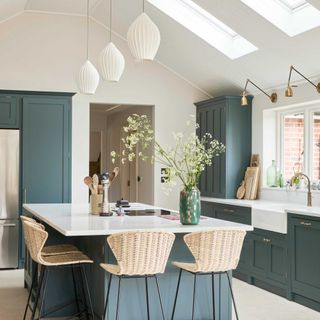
(233, 213)
(9, 112)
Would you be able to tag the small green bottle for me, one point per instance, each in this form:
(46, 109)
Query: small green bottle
(281, 180)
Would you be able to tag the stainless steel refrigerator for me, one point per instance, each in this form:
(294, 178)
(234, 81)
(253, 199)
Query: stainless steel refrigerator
(9, 198)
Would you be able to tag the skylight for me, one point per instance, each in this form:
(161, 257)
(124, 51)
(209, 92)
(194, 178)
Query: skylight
(291, 16)
(206, 26)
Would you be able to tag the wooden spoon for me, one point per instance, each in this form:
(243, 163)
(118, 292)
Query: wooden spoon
(114, 174)
(95, 183)
(88, 181)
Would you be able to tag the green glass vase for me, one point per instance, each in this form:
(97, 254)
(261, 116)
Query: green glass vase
(190, 206)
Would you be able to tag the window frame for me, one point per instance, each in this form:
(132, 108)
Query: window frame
(308, 112)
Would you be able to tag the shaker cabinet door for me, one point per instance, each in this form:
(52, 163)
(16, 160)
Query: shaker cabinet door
(305, 257)
(46, 150)
(9, 115)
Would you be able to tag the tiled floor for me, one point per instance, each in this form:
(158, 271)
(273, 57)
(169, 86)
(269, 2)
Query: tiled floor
(253, 303)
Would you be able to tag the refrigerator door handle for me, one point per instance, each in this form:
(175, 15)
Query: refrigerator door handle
(8, 225)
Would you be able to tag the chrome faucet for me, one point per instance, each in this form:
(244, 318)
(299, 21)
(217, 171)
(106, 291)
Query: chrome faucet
(305, 177)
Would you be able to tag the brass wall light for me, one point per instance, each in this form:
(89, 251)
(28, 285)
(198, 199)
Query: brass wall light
(244, 101)
(289, 92)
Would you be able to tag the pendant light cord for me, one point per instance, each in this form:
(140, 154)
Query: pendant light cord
(142, 5)
(110, 28)
(87, 29)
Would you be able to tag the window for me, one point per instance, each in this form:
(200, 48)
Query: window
(316, 145)
(291, 16)
(206, 26)
(293, 144)
(299, 142)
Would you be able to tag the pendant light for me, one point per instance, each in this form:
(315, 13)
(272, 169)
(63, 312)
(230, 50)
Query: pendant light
(88, 78)
(111, 59)
(143, 37)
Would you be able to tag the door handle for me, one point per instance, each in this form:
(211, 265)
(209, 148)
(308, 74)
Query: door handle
(228, 210)
(7, 225)
(307, 224)
(25, 195)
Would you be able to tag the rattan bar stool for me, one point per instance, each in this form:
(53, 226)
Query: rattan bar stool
(35, 238)
(215, 252)
(139, 255)
(52, 249)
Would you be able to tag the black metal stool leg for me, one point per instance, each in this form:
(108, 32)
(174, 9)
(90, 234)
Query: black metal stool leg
(194, 294)
(44, 286)
(231, 291)
(107, 298)
(117, 311)
(38, 293)
(213, 304)
(176, 296)
(75, 292)
(30, 293)
(147, 298)
(83, 273)
(163, 317)
(83, 293)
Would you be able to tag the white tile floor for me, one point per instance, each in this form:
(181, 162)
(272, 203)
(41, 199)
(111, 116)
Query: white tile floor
(253, 303)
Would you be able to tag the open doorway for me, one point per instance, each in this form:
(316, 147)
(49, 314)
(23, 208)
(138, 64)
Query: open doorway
(135, 182)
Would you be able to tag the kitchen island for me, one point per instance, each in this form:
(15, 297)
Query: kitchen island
(74, 223)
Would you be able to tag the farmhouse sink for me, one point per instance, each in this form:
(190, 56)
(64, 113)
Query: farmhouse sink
(272, 217)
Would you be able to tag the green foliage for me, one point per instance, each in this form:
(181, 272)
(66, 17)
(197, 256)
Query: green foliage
(185, 161)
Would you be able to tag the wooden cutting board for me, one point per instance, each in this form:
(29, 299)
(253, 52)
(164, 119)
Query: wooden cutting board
(251, 182)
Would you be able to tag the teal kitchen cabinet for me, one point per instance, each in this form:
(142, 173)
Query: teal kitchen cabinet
(240, 215)
(45, 155)
(230, 123)
(235, 214)
(304, 251)
(9, 111)
(268, 266)
(46, 149)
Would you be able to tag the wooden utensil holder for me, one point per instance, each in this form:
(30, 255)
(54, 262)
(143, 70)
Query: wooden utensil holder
(96, 203)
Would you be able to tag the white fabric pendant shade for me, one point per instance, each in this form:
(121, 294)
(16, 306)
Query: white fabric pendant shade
(111, 63)
(88, 78)
(143, 38)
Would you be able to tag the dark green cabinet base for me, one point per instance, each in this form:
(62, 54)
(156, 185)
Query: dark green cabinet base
(263, 260)
(285, 264)
(304, 255)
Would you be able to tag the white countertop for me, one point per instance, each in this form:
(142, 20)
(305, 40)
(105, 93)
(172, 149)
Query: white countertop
(76, 220)
(269, 215)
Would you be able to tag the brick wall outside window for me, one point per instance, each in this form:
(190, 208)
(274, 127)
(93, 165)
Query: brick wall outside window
(316, 149)
(294, 146)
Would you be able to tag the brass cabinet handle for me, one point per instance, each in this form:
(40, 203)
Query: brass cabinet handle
(307, 224)
(228, 210)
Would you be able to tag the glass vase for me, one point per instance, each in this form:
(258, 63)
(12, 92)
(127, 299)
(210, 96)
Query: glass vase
(273, 175)
(190, 206)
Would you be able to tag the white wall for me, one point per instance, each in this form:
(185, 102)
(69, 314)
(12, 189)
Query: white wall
(264, 130)
(45, 52)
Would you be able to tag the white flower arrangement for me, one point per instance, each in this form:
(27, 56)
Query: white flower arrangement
(185, 161)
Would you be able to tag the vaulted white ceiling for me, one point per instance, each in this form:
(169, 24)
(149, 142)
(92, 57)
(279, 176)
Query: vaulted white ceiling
(190, 56)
